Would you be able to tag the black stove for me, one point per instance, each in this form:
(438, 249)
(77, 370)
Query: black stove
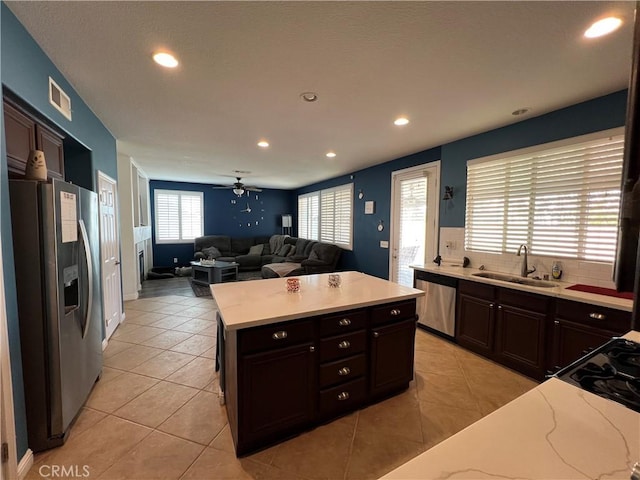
(611, 371)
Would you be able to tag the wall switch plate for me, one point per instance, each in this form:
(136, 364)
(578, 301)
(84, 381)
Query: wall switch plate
(175, 260)
(384, 244)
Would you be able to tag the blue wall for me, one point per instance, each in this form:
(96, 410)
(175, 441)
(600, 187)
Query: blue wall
(599, 114)
(25, 70)
(222, 217)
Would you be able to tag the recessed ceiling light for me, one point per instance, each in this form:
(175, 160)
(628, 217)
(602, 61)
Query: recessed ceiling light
(603, 27)
(263, 144)
(309, 96)
(520, 111)
(331, 154)
(401, 121)
(165, 59)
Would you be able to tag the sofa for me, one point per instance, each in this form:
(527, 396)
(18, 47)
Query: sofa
(253, 253)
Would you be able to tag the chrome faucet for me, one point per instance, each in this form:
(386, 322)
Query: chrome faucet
(524, 270)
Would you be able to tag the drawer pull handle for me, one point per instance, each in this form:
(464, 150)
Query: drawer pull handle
(345, 322)
(281, 335)
(344, 344)
(556, 322)
(499, 307)
(376, 334)
(312, 348)
(597, 316)
(395, 312)
(343, 396)
(344, 371)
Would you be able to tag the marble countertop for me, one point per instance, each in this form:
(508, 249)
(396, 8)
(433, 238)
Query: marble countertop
(559, 292)
(555, 431)
(261, 302)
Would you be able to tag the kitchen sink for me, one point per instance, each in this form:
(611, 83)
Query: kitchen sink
(532, 282)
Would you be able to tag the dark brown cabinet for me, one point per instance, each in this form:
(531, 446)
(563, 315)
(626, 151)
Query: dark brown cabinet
(505, 325)
(392, 356)
(475, 324)
(579, 327)
(277, 392)
(282, 378)
(24, 133)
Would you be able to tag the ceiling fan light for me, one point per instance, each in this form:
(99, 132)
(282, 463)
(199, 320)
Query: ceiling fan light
(238, 191)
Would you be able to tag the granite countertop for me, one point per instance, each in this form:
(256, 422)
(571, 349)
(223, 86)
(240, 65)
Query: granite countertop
(559, 291)
(555, 431)
(262, 302)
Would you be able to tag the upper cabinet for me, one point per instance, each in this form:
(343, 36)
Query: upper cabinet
(24, 133)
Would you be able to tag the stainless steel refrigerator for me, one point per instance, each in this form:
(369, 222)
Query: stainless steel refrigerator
(56, 255)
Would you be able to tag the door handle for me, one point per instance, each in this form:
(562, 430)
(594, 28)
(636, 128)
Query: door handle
(117, 262)
(87, 253)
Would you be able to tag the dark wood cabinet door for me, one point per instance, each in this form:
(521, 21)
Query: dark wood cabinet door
(475, 324)
(572, 340)
(278, 394)
(51, 144)
(520, 340)
(392, 356)
(20, 134)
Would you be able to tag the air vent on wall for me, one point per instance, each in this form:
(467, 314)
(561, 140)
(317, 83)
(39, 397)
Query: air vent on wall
(59, 99)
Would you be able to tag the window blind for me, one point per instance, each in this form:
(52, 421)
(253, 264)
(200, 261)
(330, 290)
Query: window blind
(562, 200)
(178, 216)
(412, 224)
(327, 215)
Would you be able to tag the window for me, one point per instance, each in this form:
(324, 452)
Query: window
(178, 216)
(327, 216)
(561, 199)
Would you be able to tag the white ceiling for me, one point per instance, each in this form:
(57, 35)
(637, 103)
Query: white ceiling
(454, 68)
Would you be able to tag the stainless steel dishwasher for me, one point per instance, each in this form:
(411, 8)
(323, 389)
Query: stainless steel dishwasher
(437, 308)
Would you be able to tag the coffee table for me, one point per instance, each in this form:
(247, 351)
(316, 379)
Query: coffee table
(216, 273)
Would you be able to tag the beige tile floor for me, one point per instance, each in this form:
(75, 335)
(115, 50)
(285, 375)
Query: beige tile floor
(155, 412)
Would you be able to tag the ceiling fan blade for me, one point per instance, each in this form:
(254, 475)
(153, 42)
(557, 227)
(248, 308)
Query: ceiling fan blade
(223, 187)
(252, 189)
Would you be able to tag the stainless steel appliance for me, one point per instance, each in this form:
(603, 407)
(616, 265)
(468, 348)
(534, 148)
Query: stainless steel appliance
(55, 241)
(437, 309)
(611, 371)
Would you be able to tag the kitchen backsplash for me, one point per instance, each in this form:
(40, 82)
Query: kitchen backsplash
(573, 271)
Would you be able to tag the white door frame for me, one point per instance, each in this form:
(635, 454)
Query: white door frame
(8, 470)
(103, 177)
(433, 221)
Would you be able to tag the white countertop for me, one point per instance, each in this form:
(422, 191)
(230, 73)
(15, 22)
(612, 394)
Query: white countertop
(559, 292)
(261, 302)
(555, 431)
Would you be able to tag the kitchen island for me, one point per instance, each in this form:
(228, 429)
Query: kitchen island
(292, 361)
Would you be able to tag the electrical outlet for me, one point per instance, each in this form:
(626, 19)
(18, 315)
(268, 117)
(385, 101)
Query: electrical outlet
(175, 260)
(451, 245)
(384, 244)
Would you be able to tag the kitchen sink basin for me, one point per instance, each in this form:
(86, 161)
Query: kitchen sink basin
(532, 282)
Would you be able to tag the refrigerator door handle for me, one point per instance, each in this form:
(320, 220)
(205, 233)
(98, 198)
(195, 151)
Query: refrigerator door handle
(85, 246)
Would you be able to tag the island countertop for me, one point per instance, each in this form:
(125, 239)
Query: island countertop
(555, 431)
(262, 302)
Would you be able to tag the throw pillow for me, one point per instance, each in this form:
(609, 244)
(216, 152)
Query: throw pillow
(211, 252)
(256, 250)
(292, 252)
(284, 250)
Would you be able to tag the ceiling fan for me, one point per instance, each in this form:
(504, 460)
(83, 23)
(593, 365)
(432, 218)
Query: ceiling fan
(239, 188)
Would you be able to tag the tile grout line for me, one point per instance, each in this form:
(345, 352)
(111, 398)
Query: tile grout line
(353, 440)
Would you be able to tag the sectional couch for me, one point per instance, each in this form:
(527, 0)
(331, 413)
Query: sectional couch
(254, 253)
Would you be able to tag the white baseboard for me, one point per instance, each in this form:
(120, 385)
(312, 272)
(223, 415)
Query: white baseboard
(105, 342)
(25, 464)
(130, 296)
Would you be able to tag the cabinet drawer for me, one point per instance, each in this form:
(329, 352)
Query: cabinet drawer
(477, 289)
(345, 322)
(342, 398)
(342, 346)
(342, 370)
(392, 312)
(275, 336)
(617, 321)
(527, 301)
